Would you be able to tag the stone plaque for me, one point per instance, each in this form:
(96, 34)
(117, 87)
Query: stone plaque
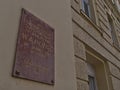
(34, 57)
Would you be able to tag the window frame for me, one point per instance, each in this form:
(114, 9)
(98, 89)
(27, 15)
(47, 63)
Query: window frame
(88, 7)
(91, 74)
(101, 72)
(112, 29)
(92, 85)
(92, 10)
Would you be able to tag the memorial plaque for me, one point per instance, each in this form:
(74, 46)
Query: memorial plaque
(34, 58)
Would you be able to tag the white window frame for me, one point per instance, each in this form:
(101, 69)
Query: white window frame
(91, 73)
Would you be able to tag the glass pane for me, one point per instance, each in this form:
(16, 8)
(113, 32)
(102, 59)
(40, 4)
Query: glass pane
(91, 83)
(86, 7)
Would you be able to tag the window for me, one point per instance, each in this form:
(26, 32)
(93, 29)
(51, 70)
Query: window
(87, 7)
(91, 83)
(97, 72)
(91, 77)
(113, 33)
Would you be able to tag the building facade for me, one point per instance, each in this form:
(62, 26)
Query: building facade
(96, 33)
(86, 44)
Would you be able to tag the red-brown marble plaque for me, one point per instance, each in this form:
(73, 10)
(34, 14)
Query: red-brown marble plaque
(34, 58)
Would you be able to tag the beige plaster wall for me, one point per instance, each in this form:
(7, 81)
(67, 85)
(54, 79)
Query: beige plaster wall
(57, 14)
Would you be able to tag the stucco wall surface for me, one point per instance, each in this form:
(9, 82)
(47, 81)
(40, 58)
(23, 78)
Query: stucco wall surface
(56, 13)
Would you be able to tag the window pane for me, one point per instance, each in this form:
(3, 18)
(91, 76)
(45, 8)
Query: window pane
(86, 7)
(91, 83)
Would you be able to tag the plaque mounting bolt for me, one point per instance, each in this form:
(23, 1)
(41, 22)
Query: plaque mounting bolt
(17, 73)
(52, 81)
